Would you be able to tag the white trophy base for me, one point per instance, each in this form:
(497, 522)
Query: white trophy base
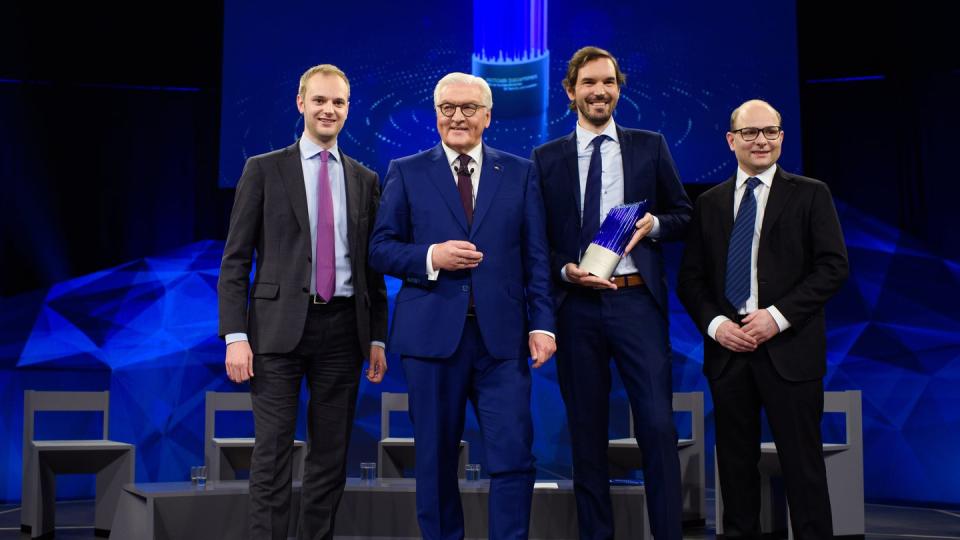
(599, 261)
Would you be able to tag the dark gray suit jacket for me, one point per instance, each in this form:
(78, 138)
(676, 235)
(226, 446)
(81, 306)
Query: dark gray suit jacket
(270, 219)
(801, 263)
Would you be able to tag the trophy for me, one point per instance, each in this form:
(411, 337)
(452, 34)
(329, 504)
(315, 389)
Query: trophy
(605, 251)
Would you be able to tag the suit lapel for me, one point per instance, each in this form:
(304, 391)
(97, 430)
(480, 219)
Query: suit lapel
(442, 178)
(291, 171)
(780, 192)
(626, 153)
(573, 173)
(490, 176)
(351, 183)
(726, 210)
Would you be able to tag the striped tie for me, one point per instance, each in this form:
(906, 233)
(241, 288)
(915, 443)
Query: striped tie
(737, 287)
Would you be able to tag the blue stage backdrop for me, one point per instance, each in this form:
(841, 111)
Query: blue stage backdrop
(146, 331)
(687, 64)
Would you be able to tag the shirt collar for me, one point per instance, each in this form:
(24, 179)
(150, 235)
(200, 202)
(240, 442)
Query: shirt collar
(585, 136)
(475, 153)
(309, 149)
(766, 177)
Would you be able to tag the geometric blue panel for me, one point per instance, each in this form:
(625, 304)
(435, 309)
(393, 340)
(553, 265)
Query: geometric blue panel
(146, 330)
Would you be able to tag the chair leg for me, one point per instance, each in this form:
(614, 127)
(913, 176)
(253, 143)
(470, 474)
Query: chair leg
(110, 481)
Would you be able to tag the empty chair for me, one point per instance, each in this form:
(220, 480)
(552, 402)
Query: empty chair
(225, 456)
(111, 461)
(398, 453)
(844, 463)
(624, 455)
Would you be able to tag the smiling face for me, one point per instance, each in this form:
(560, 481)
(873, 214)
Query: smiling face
(324, 104)
(760, 154)
(458, 131)
(595, 93)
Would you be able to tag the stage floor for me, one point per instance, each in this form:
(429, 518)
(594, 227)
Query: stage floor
(884, 522)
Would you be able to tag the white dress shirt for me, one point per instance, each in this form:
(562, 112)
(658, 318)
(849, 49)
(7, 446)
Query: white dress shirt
(611, 183)
(760, 193)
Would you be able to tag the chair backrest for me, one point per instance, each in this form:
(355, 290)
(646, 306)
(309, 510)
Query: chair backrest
(34, 401)
(849, 403)
(691, 402)
(390, 402)
(221, 401)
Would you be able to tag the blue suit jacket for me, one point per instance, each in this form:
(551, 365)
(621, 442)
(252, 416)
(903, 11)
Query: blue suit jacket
(648, 173)
(421, 206)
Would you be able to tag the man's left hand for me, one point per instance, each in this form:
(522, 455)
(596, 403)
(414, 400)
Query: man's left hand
(378, 364)
(542, 348)
(644, 226)
(760, 325)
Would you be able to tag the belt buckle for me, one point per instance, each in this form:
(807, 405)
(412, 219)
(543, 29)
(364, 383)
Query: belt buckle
(317, 300)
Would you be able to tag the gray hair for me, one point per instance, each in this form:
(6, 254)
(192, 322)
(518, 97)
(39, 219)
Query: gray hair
(464, 78)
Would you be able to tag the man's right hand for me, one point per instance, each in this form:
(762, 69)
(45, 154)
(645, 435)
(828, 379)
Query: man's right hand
(239, 361)
(585, 279)
(455, 255)
(732, 337)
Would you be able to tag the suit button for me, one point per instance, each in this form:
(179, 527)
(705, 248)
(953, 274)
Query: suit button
(305, 289)
(309, 259)
(465, 288)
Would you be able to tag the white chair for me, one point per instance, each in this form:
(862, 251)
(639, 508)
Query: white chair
(844, 462)
(111, 461)
(394, 454)
(624, 455)
(225, 456)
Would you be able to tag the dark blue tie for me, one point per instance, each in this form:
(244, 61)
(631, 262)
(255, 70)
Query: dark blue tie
(737, 287)
(591, 196)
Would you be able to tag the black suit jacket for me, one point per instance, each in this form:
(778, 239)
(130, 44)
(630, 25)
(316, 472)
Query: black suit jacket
(801, 263)
(648, 173)
(270, 218)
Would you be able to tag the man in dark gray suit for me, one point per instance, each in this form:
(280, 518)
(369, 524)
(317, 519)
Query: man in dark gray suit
(314, 308)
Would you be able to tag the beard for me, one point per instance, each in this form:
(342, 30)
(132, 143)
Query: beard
(596, 118)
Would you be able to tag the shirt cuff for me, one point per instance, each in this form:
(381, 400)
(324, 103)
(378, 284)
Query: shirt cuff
(551, 334)
(655, 231)
(380, 344)
(432, 274)
(234, 337)
(714, 324)
(782, 321)
(563, 274)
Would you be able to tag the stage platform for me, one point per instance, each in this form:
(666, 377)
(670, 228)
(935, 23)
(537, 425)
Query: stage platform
(384, 508)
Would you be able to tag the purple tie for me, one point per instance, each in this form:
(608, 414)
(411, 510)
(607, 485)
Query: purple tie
(465, 186)
(326, 269)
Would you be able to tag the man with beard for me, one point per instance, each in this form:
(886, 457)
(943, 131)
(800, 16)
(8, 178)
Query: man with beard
(584, 175)
(314, 308)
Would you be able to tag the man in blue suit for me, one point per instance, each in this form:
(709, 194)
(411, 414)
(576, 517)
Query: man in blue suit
(462, 225)
(584, 174)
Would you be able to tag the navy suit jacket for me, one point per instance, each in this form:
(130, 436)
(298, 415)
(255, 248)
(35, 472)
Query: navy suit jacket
(511, 287)
(648, 173)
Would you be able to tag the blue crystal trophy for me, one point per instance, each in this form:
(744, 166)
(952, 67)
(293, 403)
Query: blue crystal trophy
(605, 251)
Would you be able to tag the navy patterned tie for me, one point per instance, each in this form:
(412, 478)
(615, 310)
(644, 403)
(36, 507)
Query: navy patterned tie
(737, 288)
(591, 196)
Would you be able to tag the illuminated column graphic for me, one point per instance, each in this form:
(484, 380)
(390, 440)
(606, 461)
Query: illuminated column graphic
(510, 52)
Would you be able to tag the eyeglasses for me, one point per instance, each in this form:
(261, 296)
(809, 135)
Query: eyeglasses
(450, 109)
(770, 133)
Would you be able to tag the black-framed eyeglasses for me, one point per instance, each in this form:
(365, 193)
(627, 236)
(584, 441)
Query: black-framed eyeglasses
(450, 109)
(770, 133)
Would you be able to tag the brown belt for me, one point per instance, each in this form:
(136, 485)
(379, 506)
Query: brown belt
(627, 281)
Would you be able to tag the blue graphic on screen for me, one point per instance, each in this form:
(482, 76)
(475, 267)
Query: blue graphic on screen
(687, 67)
(510, 53)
